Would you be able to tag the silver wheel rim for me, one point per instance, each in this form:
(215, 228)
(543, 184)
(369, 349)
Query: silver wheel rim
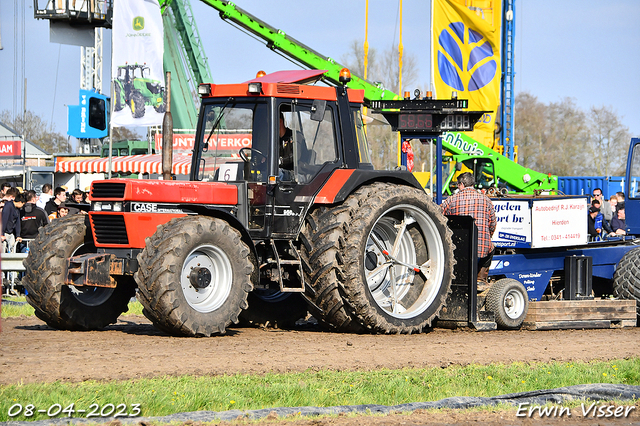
(213, 296)
(390, 282)
(89, 295)
(513, 304)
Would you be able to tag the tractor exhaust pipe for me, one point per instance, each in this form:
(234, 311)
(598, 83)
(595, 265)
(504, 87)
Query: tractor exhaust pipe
(167, 134)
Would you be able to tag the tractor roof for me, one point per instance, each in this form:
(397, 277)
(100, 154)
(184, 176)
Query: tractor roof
(289, 84)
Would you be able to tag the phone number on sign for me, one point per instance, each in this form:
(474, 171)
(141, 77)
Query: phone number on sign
(94, 410)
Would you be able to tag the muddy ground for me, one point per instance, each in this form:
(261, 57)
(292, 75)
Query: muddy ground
(133, 341)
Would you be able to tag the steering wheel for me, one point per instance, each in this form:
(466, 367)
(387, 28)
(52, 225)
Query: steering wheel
(245, 151)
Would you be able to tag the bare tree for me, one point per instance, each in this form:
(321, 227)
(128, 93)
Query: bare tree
(123, 133)
(382, 68)
(609, 142)
(560, 138)
(37, 131)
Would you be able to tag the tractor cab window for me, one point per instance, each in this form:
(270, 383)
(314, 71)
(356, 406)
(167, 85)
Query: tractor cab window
(633, 188)
(363, 146)
(306, 142)
(226, 130)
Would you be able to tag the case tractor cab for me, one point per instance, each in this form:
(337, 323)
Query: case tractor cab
(132, 88)
(299, 220)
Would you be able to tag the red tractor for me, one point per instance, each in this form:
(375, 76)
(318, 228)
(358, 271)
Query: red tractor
(301, 220)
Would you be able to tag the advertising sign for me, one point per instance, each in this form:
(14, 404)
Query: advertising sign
(183, 143)
(466, 57)
(513, 227)
(557, 223)
(136, 64)
(11, 149)
(80, 123)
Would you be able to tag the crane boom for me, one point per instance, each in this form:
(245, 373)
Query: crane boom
(519, 178)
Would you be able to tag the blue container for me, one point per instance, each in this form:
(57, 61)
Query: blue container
(582, 185)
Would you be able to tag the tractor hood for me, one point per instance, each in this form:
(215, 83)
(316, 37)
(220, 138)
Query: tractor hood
(163, 191)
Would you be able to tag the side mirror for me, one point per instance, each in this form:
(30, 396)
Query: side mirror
(458, 166)
(317, 110)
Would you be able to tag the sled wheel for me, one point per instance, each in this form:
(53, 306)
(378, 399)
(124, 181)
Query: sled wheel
(381, 261)
(626, 279)
(508, 300)
(69, 307)
(194, 276)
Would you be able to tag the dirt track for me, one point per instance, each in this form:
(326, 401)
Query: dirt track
(78, 356)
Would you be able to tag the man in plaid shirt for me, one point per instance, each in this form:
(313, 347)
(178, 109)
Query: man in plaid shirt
(469, 202)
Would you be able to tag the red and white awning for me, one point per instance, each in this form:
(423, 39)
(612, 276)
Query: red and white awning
(148, 163)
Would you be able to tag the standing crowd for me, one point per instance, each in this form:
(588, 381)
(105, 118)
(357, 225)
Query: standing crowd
(606, 217)
(24, 213)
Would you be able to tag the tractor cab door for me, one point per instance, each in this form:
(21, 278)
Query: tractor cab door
(307, 154)
(632, 188)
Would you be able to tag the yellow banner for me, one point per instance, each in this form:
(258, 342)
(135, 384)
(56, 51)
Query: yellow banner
(466, 57)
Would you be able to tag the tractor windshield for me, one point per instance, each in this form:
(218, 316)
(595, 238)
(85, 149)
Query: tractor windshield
(226, 129)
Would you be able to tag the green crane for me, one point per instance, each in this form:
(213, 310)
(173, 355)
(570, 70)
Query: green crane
(489, 166)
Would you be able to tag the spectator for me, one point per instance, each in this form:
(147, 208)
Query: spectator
(613, 202)
(605, 208)
(62, 211)
(47, 194)
(3, 188)
(618, 223)
(32, 218)
(60, 196)
(601, 224)
(3, 193)
(469, 202)
(593, 214)
(77, 196)
(11, 219)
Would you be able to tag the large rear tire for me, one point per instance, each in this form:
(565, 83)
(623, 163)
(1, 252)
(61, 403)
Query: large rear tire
(381, 261)
(68, 307)
(194, 276)
(626, 279)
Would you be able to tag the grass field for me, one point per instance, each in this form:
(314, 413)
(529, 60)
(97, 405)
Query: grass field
(167, 395)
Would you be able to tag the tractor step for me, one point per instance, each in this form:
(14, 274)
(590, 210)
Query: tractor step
(288, 261)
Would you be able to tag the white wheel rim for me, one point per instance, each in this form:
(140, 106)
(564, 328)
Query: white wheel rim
(513, 304)
(213, 296)
(388, 232)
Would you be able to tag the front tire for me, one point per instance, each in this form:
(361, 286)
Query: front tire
(67, 307)
(358, 281)
(194, 276)
(626, 279)
(508, 300)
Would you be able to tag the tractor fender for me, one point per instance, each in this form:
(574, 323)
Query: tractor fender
(223, 214)
(344, 182)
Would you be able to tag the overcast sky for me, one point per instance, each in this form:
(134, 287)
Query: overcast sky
(584, 49)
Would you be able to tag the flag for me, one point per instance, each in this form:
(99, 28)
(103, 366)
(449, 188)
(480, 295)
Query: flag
(466, 57)
(138, 93)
